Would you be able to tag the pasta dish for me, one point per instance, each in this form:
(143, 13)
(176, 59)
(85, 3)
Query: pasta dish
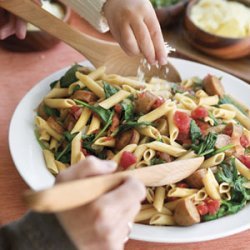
(139, 124)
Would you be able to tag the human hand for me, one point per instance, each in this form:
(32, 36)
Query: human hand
(12, 25)
(135, 27)
(102, 224)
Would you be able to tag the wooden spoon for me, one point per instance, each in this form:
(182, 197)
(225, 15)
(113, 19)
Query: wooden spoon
(98, 52)
(76, 193)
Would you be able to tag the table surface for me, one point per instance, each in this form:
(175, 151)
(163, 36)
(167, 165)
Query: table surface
(19, 73)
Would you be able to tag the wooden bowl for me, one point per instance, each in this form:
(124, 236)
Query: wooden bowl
(170, 14)
(36, 40)
(221, 47)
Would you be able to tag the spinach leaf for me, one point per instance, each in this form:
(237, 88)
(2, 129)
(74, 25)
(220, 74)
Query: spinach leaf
(156, 160)
(69, 77)
(223, 149)
(205, 146)
(103, 113)
(68, 136)
(216, 122)
(128, 111)
(195, 132)
(227, 172)
(87, 141)
(109, 90)
(53, 84)
(41, 143)
(176, 88)
(64, 155)
(51, 111)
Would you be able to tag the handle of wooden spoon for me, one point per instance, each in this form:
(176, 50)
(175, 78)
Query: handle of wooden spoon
(33, 13)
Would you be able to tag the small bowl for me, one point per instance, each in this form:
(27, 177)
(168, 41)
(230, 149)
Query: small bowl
(36, 40)
(169, 15)
(217, 46)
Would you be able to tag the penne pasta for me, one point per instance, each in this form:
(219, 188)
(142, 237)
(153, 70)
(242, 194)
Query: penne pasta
(82, 121)
(59, 103)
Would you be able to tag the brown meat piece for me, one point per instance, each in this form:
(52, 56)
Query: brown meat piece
(55, 125)
(85, 96)
(164, 156)
(213, 86)
(195, 180)
(128, 137)
(144, 102)
(186, 213)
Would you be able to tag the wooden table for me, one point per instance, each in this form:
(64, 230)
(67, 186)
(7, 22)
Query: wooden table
(18, 73)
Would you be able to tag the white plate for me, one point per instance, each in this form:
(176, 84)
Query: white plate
(28, 158)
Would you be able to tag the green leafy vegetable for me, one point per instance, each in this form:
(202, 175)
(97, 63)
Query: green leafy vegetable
(205, 146)
(227, 172)
(220, 150)
(87, 141)
(176, 88)
(103, 113)
(42, 145)
(69, 77)
(195, 132)
(69, 137)
(216, 122)
(51, 111)
(128, 111)
(109, 90)
(53, 84)
(64, 155)
(156, 161)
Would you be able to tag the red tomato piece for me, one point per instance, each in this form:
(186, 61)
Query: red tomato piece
(228, 130)
(203, 126)
(202, 209)
(76, 111)
(127, 159)
(212, 205)
(118, 108)
(182, 121)
(245, 159)
(199, 113)
(159, 101)
(244, 141)
(182, 185)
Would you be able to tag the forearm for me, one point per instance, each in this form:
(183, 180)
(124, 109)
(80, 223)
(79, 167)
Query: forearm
(91, 10)
(34, 231)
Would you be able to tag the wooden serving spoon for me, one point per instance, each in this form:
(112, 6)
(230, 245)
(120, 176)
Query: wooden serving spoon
(98, 52)
(77, 193)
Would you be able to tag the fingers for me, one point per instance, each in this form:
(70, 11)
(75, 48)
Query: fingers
(20, 28)
(157, 39)
(89, 167)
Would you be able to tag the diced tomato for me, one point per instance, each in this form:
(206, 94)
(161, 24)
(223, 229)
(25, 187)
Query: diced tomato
(228, 130)
(182, 185)
(85, 152)
(115, 122)
(182, 121)
(159, 101)
(76, 111)
(203, 126)
(118, 108)
(245, 159)
(182, 137)
(199, 113)
(212, 205)
(202, 209)
(127, 159)
(244, 141)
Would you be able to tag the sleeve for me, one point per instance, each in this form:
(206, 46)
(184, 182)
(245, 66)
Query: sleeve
(91, 10)
(35, 231)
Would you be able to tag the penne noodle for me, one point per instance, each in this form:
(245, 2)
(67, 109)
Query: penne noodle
(213, 161)
(243, 170)
(149, 131)
(94, 125)
(145, 214)
(76, 154)
(97, 73)
(105, 141)
(211, 185)
(208, 100)
(59, 103)
(159, 198)
(181, 192)
(82, 121)
(57, 93)
(50, 161)
(129, 148)
(148, 155)
(162, 219)
(173, 130)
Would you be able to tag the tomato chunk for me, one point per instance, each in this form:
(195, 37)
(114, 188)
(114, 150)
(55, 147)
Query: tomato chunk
(228, 130)
(182, 185)
(244, 141)
(182, 121)
(203, 126)
(202, 209)
(76, 111)
(199, 113)
(159, 101)
(127, 159)
(212, 205)
(118, 108)
(245, 159)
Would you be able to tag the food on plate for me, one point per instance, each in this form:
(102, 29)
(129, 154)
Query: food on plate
(139, 124)
(223, 18)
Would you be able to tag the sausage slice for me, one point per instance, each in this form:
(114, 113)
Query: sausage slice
(195, 180)
(213, 86)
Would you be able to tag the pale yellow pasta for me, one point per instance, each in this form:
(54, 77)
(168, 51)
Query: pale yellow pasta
(150, 195)
(97, 73)
(173, 130)
(157, 113)
(57, 93)
(159, 198)
(59, 103)
(162, 219)
(243, 119)
(186, 101)
(187, 83)
(50, 161)
(201, 93)
(120, 80)
(129, 89)
(223, 113)
(114, 99)
(82, 121)
(208, 100)
(189, 155)
(201, 195)
(247, 185)
(243, 170)
(44, 135)
(145, 214)
(43, 125)
(224, 187)
(91, 84)
(144, 140)
(105, 141)
(139, 151)
(166, 140)
(146, 206)
(211, 185)
(162, 126)
(94, 124)
(77, 84)
(60, 166)
(142, 164)
(76, 154)
(162, 147)
(171, 205)
(149, 131)
(181, 192)
(53, 144)
(213, 160)
(226, 196)
(209, 120)
(166, 211)
(148, 155)
(130, 148)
